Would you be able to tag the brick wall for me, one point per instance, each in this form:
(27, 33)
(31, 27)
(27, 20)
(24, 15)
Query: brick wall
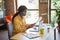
(9, 6)
(44, 11)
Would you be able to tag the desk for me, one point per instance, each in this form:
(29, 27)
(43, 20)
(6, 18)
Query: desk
(21, 37)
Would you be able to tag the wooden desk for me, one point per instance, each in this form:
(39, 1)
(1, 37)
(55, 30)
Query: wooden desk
(21, 37)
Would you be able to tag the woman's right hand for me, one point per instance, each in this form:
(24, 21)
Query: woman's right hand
(31, 25)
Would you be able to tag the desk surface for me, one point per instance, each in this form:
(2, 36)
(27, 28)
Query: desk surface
(21, 37)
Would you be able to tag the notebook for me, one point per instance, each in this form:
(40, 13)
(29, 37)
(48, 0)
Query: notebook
(31, 36)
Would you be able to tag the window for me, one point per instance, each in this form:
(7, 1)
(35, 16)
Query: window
(55, 5)
(30, 4)
(1, 9)
(32, 16)
(33, 10)
(43, 0)
(0, 0)
(1, 14)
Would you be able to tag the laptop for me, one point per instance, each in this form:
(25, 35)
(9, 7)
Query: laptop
(35, 29)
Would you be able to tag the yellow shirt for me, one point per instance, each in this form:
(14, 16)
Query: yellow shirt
(19, 25)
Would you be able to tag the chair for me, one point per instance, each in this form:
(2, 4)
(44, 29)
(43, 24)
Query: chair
(10, 28)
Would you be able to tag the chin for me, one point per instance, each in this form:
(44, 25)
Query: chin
(24, 15)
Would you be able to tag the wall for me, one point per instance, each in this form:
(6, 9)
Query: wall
(44, 11)
(9, 6)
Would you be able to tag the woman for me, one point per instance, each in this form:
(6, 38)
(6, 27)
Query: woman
(19, 24)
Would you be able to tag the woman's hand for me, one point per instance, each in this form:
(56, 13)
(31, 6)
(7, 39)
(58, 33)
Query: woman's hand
(31, 25)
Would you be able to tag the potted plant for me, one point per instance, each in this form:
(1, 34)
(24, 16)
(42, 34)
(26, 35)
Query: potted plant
(58, 19)
(57, 6)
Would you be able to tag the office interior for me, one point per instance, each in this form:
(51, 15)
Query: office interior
(43, 9)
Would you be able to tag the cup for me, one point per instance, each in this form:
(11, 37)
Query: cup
(41, 31)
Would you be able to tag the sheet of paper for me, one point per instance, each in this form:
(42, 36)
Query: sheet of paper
(40, 18)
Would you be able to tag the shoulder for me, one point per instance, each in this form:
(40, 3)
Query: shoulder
(16, 17)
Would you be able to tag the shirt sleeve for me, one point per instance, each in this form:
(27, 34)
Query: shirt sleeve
(27, 26)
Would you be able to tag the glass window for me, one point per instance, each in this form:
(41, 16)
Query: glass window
(32, 16)
(0, 6)
(1, 14)
(30, 4)
(53, 16)
(33, 10)
(55, 5)
(43, 0)
(0, 0)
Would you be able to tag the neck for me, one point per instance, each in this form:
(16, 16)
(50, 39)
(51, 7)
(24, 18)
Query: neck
(21, 16)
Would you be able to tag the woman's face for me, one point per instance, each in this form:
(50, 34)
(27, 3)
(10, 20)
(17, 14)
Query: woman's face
(24, 13)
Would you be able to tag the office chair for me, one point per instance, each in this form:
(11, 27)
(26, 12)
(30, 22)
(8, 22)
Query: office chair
(10, 28)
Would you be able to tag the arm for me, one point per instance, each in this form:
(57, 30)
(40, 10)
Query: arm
(30, 25)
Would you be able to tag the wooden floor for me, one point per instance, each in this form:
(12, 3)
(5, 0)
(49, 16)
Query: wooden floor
(4, 35)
